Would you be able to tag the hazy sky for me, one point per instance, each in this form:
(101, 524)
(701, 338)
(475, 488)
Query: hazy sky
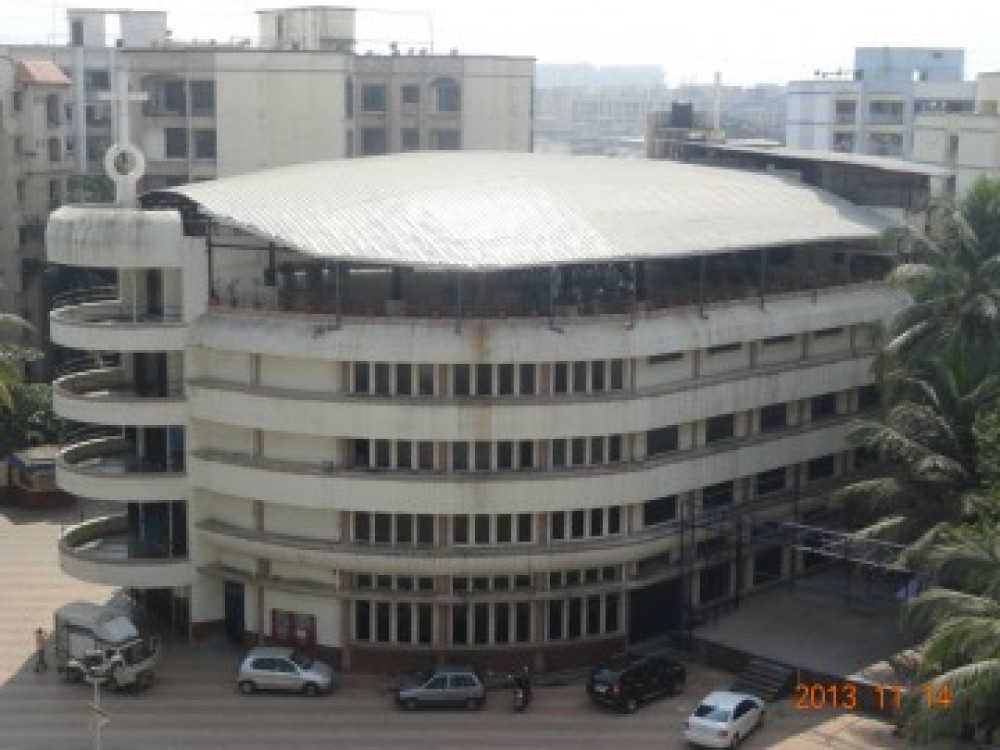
(747, 41)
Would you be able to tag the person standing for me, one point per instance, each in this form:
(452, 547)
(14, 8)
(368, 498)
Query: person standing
(40, 664)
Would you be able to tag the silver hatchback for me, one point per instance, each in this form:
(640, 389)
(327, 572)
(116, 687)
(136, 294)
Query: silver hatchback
(444, 686)
(282, 668)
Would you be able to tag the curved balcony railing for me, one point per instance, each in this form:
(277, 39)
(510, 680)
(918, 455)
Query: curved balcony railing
(106, 396)
(112, 326)
(70, 297)
(107, 468)
(103, 551)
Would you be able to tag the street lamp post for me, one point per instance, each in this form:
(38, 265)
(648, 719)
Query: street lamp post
(98, 674)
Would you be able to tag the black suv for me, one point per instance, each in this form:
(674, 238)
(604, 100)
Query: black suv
(626, 680)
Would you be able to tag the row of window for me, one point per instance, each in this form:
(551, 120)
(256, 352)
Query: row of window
(179, 143)
(488, 584)
(447, 94)
(402, 379)
(375, 141)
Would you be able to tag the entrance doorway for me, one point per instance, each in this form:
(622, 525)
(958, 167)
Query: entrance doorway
(235, 612)
(655, 610)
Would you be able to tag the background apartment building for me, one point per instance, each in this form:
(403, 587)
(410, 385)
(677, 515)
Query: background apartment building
(206, 110)
(871, 108)
(966, 142)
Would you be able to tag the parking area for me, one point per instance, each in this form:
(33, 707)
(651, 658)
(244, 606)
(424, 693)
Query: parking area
(195, 705)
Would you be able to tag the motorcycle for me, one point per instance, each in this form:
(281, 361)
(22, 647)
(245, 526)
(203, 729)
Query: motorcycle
(521, 695)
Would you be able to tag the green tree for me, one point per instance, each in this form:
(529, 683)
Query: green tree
(961, 620)
(926, 437)
(952, 273)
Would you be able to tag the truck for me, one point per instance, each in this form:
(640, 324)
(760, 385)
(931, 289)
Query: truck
(102, 641)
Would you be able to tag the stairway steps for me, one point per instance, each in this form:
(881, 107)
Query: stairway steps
(767, 680)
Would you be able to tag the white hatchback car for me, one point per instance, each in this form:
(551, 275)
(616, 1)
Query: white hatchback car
(724, 718)
(282, 668)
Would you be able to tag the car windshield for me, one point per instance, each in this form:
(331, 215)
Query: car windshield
(422, 678)
(712, 713)
(302, 660)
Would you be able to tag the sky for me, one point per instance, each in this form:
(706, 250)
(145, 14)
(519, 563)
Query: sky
(766, 41)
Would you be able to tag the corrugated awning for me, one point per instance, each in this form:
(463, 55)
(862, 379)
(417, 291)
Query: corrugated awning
(41, 73)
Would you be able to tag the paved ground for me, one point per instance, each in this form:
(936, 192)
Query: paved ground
(194, 706)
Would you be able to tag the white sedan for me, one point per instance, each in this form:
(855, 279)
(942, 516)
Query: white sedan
(723, 718)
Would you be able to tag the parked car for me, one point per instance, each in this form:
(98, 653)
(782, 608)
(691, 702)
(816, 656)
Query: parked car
(626, 680)
(443, 686)
(283, 668)
(724, 718)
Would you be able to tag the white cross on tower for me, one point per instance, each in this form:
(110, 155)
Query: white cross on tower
(123, 162)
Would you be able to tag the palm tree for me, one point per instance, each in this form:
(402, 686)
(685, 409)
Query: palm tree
(926, 437)
(952, 273)
(961, 659)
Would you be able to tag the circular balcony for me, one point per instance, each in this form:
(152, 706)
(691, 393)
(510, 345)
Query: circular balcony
(111, 326)
(102, 236)
(102, 551)
(104, 396)
(108, 469)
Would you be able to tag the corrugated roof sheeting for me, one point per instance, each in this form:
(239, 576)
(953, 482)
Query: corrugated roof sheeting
(487, 210)
(42, 72)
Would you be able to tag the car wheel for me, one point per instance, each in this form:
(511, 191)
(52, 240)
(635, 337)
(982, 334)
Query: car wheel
(474, 704)
(411, 704)
(311, 689)
(247, 687)
(631, 705)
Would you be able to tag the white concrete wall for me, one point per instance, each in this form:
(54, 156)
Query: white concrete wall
(236, 367)
(277, 108)
(496, 104)
(309, 523)
(286, 372)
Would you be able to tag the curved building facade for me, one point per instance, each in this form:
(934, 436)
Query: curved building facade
(510, 408)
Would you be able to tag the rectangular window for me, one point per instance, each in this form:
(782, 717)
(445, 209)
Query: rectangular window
(404, 529)
(481, 621)
(373, 98)
(821, 468)
(593, 615)
(383, 622)
(482, 455)
(425, 380)
(174, 97)
(463, 380)
(383, 454)
(202, 98)
(777, 340)
(501, 623)
(504, 528)
(175, 143)
(558, 453)
(771, 481)
(614, 519)
(362, 527)
(205, 144)
(597, 450)
(425, 624)
(505, 455)
(662, 359)
(362, 621)
(404, 625)
(404, 379)
(773, 417)
(460, 624)
(578, 524)
(580, 377)
(404, 459)
(823, 407)
(611, 604)
(409, 139)
(578, 448)
(597, 376)
(555, 620)
(659, 510)
(574, 618)
(522, 622)
(724, 349)
(824, 333)
(561, 378)
(526, 455)
(446, 140)
(716, 495)
(597, 522)
(482, 526)
(505, 380)
(460, 529)
(484, 380)
(409, 94)
(617, 374)
(869, 398)
(662, 440)
(374, 141)
(425, 529)
(558, 526)
(719, 428)
(425, 455)
(460, 456)
(614, 448)
(361, 380)
(382, 528)
(527, 380)
(382, 375)
(525, 527)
